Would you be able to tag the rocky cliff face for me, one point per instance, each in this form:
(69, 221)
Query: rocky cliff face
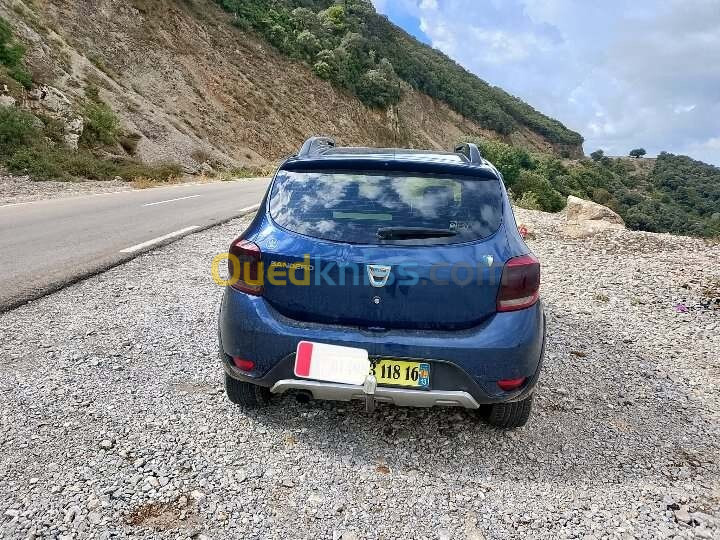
(193, 89)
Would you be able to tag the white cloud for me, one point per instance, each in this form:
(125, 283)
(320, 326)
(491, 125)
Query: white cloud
(428, 5)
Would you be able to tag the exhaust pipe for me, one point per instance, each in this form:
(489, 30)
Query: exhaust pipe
(303, 396)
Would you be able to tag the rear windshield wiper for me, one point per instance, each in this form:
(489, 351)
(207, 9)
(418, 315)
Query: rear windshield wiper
(406, 233)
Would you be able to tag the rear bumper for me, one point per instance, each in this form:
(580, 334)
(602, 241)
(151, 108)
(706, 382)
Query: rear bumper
(505, 346)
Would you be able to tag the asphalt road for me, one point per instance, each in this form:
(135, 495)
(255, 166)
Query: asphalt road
(48, 244)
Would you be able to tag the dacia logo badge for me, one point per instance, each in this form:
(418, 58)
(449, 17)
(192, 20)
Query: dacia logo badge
(378, 274)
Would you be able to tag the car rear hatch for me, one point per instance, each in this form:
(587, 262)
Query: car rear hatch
(384, 249)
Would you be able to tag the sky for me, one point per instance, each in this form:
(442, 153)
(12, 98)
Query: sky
(623, 74)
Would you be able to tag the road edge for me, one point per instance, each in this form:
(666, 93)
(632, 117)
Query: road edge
(124, 258)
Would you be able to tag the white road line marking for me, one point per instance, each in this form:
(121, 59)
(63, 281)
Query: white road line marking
(250, 208)
(171, 200)
(138, 247)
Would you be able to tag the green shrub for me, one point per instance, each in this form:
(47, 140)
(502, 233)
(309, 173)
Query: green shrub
(41, 163)
(11, 55)
(102, 126)
(35, 146)
(17, 129)
(548, 198)
(21, 75)
(307, 44)
(529, 201)
(84, 164)
(509, 160)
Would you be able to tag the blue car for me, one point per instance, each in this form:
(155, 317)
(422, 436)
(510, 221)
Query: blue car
(389, 276)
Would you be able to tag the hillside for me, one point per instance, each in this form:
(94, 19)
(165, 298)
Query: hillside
(674, 194)
(189, 86)
(351, 45)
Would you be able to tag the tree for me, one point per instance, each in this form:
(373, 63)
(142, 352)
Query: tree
(305, 19)
(307, 44)
(638, 153)
(380, 87)
(333, 19)
(508, 159)
(597, 155)
(323, 70)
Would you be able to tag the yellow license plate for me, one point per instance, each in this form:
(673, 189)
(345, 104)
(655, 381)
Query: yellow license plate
(402, 373)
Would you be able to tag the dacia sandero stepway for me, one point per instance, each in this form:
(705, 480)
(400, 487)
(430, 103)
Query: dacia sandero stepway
(389, 276)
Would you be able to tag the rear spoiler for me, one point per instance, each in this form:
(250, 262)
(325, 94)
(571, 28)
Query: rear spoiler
(372, 164)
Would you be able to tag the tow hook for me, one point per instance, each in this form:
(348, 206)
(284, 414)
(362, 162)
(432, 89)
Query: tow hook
(369, 387)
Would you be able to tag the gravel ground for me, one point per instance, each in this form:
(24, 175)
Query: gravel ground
(21, 189)
(114, 422)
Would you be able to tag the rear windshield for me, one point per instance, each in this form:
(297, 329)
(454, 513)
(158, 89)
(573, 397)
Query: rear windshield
(372, 208)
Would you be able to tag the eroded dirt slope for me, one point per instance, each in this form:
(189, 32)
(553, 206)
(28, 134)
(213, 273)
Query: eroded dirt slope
(197, 88)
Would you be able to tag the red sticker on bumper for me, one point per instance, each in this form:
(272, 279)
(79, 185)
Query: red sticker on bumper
(302, 359)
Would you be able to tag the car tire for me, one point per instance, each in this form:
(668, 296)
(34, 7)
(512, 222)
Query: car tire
(246, 394)
(510, 415)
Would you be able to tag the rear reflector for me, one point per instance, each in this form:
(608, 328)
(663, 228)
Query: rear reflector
(511, 384)
(520, 284)
(332, 363)
(244, 365)
(303, 358)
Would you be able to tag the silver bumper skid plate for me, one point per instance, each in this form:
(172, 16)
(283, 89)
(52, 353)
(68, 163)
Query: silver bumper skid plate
(371, 392)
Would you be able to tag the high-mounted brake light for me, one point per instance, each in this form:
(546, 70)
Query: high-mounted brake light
(520, 284)
(250, 274)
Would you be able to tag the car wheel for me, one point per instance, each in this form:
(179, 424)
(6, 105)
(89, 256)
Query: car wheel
(510, 415)
(246, 394)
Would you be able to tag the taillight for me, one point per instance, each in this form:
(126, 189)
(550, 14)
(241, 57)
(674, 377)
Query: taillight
(520, 284)
(250, 273)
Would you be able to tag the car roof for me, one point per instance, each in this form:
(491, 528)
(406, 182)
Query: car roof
(326, 157)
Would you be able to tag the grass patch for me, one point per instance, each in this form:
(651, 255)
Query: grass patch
(144, 182)
(247, 172)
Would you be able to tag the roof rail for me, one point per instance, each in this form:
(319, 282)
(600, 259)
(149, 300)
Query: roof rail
(471, 152)
(316, 145)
